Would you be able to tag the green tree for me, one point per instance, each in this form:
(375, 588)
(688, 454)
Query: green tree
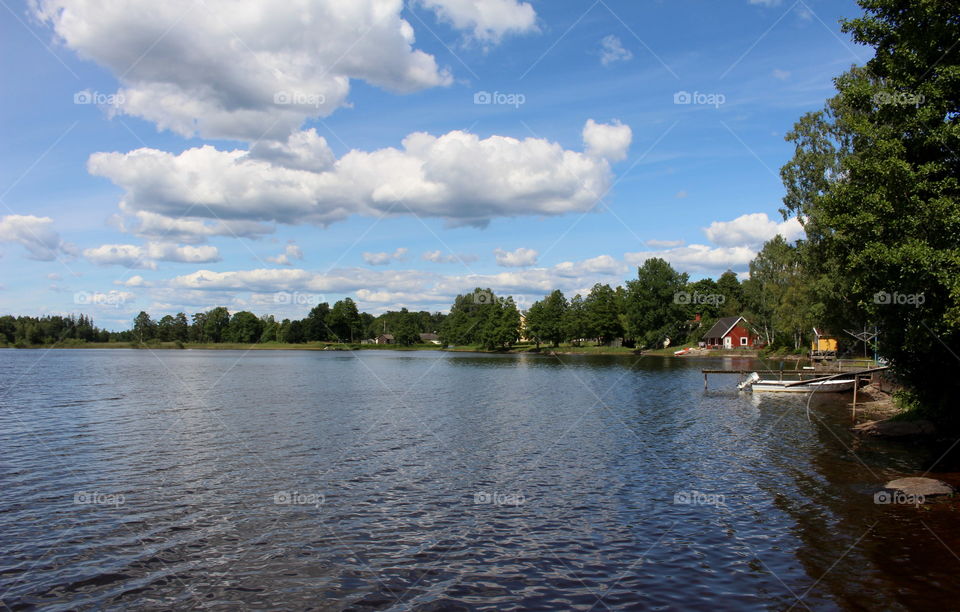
(775, 269)
(198, 330)
(602, 308)
(500, 325)
(165, 328)
(730, 288)
(271, 329)
(216, 324)
(468, 315)
(533, 322)
(656, 303)
(244, 327)
(575, 324)
(344, 320)
(554, 307)
(143, 327)
(294, 333)
(8, 328)
(181, 329)
(875, 180)
(315, 325)
(406, 328)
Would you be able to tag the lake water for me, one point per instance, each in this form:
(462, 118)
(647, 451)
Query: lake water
(429, 480)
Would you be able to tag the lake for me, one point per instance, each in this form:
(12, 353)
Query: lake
(430, 480)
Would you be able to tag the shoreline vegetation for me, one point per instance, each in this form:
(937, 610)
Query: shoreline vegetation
(520, 348)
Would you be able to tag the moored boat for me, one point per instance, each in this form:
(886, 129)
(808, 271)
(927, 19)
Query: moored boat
(754, 383)
(823, 386)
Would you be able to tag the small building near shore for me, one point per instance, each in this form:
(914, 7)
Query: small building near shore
(731, 333)
(824, 345)
(384, 339)
(429, 339)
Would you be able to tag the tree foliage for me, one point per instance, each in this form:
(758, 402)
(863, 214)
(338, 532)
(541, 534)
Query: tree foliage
(653, 305)
(874, 179)
(481, 318)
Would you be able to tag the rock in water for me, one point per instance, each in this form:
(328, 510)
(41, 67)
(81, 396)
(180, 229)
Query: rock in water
(926, 487)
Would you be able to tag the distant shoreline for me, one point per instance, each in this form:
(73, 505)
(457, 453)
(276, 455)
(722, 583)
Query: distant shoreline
(316, 346)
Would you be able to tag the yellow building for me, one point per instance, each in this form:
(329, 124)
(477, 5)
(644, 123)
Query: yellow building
(823, 345)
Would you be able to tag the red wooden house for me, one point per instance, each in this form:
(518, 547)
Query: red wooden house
(731, 333)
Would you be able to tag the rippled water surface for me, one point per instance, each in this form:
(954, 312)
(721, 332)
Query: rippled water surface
(428, 480)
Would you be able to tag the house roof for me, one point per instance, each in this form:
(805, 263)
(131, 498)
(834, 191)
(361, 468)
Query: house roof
(429, 337)
(386, 336)
(722, 327)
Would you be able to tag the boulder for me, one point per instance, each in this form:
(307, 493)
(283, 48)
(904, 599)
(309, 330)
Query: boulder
(925, 487)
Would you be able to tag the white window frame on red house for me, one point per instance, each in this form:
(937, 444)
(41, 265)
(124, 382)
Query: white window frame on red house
(744, 341)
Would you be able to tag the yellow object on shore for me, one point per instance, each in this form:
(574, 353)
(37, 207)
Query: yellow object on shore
(824, 343)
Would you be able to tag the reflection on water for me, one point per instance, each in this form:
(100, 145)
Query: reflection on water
(428, 480)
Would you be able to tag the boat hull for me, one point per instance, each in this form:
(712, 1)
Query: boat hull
(826, 386)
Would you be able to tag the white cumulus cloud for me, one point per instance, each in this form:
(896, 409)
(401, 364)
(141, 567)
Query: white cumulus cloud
(290, 253)
(456, 176)
(608, 141)
(517, 258)
(382, 259)
(664, 244)
(602, 265)
(133, 256)
(487, 20)
(253, 69)
(441, 257)
(752, 229)
(698, 257)
(35, 234)
(133, 281)
(160, 228)
(612, 50)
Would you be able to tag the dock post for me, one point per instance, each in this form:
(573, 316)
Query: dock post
(704, 381)
(856, 385)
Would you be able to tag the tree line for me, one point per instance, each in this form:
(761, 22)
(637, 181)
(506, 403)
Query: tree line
(659, 305)
(343, 322)
(875, 180)
(29, 331)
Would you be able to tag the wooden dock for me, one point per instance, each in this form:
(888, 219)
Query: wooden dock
(815, 376)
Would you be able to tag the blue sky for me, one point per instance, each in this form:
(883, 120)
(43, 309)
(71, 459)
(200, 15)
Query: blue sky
(151, 159)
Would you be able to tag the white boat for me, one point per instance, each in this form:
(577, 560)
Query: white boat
(754, 383)
(824, 386)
